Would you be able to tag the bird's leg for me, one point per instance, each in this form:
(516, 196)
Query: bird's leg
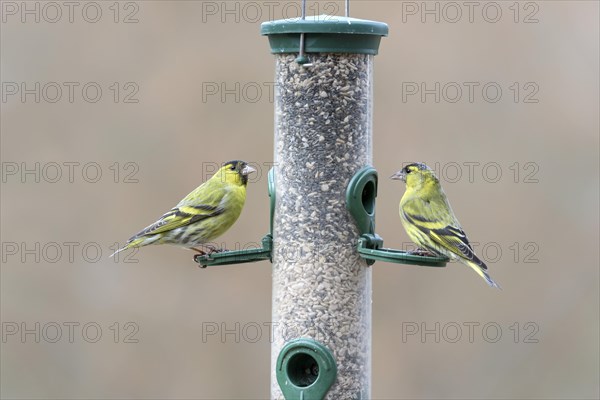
(200, 252)
(209, 249)
(212, 249)
(196, 256)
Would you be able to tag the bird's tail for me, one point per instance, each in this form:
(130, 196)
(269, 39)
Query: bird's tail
(120, 250)
(139, 242)
(116, 252)
(483, 273)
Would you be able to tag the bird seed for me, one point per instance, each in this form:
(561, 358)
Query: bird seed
(321, 287)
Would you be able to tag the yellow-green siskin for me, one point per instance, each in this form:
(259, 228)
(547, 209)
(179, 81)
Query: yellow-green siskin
(203, 215)
(429, 221)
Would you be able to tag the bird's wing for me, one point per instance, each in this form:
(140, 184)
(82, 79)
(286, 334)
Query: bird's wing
(211, 193)
(456, 241)
(204, 202)
(437, 221)
(179, 217)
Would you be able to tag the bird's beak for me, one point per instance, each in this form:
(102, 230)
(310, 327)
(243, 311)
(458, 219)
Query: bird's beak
(400, 176)
(247, 170)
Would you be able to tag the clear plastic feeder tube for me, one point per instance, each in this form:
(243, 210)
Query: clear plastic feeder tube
(321, 286)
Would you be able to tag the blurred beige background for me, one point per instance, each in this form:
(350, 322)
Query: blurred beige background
(538, 221)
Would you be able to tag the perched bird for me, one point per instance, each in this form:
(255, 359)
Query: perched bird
(203, 215)
(429, 221)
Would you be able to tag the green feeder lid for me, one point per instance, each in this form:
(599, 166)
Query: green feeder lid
(325, 34)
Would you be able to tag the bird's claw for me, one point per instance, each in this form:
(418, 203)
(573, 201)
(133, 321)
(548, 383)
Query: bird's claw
(197, 260)
(197, 256)
(202, 253)
(210, 249)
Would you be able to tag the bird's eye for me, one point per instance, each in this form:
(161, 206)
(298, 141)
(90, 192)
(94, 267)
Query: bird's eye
(407, 170)
(232, 167)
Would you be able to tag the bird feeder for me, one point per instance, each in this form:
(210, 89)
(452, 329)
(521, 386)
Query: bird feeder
(323, 137)
(322, 238)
